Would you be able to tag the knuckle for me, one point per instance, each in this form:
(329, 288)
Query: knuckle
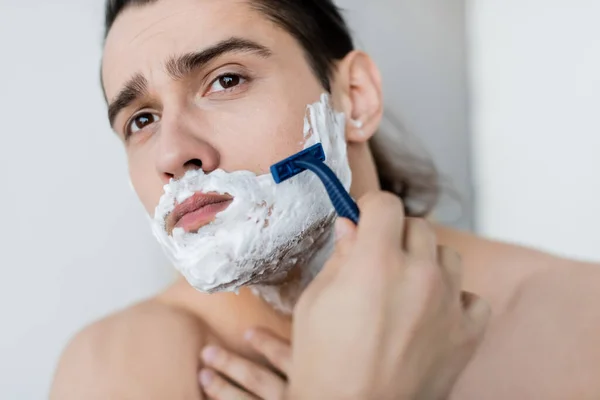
(471, 338)
(375, 202)
(274, 349)
(418, 226)
(280, 355)
(428, 278)
(216, 387)
(223, 360)
(479, 314)
(448, 255)
(234, 367)
(261, 341)
(383, 262)
(253, 378)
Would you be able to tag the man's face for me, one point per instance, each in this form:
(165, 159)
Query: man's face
(208, 82)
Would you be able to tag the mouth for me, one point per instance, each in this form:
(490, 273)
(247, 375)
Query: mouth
(197, 211)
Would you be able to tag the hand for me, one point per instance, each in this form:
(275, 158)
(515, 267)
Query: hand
(253, 381)
(386, 318)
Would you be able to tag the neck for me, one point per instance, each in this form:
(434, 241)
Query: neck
(284, 295)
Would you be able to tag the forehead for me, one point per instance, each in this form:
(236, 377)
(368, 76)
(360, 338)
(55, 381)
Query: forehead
(143, 37)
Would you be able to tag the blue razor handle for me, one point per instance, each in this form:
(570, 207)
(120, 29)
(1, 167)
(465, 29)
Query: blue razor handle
(312, 159)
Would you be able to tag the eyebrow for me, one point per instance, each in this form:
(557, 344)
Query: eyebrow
(181, 66)
(135, 88)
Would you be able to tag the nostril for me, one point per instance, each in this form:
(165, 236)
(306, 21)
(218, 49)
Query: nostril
(167, 177)
(195, 163)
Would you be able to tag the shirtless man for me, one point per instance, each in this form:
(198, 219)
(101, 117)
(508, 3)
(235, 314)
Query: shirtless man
(542, 341)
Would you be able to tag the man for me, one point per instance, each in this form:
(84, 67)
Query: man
(224, 85)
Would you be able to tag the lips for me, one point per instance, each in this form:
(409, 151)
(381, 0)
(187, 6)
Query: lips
(197, 211)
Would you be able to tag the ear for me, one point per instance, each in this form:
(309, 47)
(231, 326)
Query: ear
(358, 83)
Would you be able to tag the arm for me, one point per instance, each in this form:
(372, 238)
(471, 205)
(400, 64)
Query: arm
(150, 351)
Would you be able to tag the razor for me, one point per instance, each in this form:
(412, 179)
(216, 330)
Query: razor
(313, 159)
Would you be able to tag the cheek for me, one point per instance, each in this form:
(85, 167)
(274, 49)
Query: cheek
(257, 135)
(146, 184)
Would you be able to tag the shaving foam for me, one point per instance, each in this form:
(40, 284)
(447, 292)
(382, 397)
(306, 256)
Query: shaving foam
(268, 228)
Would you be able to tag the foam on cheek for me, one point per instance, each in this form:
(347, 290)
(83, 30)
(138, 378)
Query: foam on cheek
(268, 228)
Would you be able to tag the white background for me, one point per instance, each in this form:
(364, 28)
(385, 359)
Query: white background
(74, 243)
(536, 122)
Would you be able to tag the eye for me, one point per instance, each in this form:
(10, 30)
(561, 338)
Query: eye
(140, 122)
(226, 82)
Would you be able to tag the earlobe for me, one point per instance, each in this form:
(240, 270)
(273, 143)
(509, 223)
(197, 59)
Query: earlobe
(358, 125)
(364, 99)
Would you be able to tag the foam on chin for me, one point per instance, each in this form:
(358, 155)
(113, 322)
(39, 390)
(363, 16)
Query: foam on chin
(268, 228)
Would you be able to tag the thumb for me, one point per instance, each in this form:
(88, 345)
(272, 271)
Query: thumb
(345, 235)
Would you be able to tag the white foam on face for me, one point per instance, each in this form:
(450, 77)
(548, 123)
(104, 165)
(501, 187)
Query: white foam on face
(268, 228)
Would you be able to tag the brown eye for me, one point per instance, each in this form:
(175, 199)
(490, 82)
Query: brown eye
(225, 82)
(229, 81)
(141, 121)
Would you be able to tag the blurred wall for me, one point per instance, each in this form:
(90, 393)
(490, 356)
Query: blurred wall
(536, 95)
(74, 243)
(420, 47)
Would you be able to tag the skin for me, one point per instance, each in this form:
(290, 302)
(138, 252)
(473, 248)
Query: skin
(542, 342)
(410, 328)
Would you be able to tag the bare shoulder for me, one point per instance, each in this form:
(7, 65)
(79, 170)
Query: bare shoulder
(499, 271)
(148, 351)
(546, 343)
(543, 341)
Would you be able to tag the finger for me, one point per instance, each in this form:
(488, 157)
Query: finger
(217, 388)
(477, 314)
(420, 241)
(381, 225)
(345, 235)
(345, 238)
(276, 350)
(252, 377)
(451, 264)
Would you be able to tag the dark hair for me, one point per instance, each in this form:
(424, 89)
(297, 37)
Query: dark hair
(318, 25)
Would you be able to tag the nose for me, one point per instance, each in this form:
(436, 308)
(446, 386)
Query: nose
(180, 149)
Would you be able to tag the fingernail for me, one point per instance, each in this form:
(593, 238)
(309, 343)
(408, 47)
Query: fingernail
(206, 377)
(209, 354)
(341, 229)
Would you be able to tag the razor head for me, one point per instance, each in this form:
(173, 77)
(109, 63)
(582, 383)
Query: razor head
(287, 168)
